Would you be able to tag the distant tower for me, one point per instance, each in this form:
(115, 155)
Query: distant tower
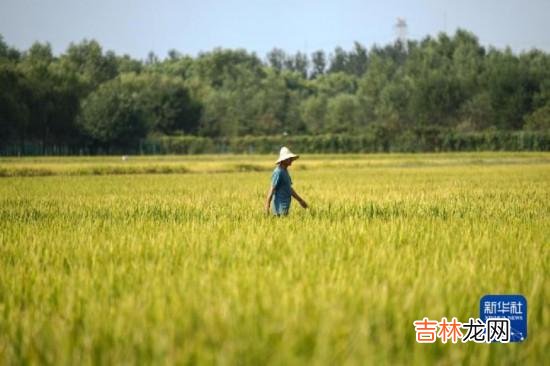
(401, 31)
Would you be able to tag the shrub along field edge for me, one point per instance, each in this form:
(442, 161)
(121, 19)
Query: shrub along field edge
(421, 140)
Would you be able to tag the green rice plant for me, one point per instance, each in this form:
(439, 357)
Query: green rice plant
(183, 267)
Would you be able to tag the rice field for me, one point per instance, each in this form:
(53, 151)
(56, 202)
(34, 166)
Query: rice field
(172, 260)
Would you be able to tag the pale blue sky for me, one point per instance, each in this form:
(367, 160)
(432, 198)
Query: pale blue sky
(139, 26)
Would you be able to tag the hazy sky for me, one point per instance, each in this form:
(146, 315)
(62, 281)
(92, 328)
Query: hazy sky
(139, 26)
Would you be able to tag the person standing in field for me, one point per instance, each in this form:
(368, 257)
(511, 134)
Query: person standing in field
(281, 191)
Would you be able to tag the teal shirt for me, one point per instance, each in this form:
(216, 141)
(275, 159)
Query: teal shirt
(280, 180)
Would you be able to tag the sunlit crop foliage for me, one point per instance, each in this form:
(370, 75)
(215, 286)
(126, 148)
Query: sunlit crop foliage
(172, 259)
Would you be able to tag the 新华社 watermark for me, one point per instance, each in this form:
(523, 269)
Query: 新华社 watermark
(502, 318)
(475, 330)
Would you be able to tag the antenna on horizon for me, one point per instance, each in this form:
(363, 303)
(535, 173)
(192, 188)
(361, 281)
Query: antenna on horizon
(401, 32)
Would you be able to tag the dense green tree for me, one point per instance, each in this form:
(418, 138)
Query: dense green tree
(270, 103)
(276, 59)
(152, 59)
(300, 64)
(126, 64)
(3, 47)
(14, 113)
(338, 60)
(314, 113)
(443, 83)
(130, 106)
(168, 103)
(357, 60)
(539, 120)
(342, 114)
(508, 87)
(379, 74)
(319, 63)
(336, 83)
(41, 98)
(222, 66)
(88, 61)
(476, 114)
(113, 114)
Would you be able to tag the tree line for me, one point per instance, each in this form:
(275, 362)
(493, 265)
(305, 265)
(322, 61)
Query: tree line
(89, 98)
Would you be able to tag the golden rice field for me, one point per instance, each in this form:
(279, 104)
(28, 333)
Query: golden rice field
(171, 259)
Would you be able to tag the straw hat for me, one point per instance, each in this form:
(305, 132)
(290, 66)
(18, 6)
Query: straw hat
(285, 154)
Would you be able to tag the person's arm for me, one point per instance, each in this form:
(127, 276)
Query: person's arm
(298, 198)
(269, 197)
